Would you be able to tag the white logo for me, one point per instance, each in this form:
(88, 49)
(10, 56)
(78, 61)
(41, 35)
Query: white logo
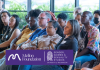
(49, 56)
(14, 57)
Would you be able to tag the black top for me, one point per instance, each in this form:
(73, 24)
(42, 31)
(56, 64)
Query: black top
(99, 28)
(3, 30)
(69, 43)
(84, 34)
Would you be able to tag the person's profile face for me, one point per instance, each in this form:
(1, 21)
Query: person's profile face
(97, 16)
(85, 18)
(61, 22)
(42, 19)
(5, 18)
(68, 29)
(12, 22)
(50, 29)
(32, 21)
(78, 18)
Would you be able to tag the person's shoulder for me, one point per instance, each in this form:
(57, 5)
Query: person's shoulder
(16, 30)
(58, 36)
(94, 29)
(73, 39)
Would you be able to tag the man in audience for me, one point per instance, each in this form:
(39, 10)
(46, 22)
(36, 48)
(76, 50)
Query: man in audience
(43, 18)
(5, 15)
(90, 43)
(77, 10)
(78, 18)
(26, 33)
(97, 19)
(62, 18)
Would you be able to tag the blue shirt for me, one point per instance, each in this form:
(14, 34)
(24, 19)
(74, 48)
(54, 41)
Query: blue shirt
(38, 33)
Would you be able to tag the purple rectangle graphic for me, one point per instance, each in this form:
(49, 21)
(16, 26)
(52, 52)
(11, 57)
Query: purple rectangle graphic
(39, 57)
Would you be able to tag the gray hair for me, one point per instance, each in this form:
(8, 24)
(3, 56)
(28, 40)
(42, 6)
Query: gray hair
(77, 8)
(48, 15)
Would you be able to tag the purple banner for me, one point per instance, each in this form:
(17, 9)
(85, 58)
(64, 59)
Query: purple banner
(39, 57)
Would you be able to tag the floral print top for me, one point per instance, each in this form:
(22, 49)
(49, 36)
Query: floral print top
(93, 39)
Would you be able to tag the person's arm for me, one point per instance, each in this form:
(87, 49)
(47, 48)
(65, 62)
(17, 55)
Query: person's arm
(96, 67)
(14, 35)
(83, 52)
(93, 42)
(28, 41)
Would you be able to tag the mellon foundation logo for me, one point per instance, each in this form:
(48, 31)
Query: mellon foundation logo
(14, 57)
(39, 57)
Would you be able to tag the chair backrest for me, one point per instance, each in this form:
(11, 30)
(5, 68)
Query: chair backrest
(71, 66)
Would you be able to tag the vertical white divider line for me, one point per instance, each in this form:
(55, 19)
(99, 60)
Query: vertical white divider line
(44, 55)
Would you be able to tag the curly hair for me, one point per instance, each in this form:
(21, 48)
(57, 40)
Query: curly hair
(62, 16)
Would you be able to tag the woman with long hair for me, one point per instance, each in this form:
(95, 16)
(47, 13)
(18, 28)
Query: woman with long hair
(12, 33)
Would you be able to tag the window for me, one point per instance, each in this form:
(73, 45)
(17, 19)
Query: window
(17, 7)
(43, 5)
(64, 5)
(89, 5)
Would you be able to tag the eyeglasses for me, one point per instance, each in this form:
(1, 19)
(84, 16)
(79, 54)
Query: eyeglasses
(41, 18)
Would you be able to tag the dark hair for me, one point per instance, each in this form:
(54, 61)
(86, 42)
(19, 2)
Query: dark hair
(62, 16)
(89, 14)
(76, 28)
(6, 12)
(17, 20)
(34, 13)
(97, 12)
(8, 32)
(56, 25)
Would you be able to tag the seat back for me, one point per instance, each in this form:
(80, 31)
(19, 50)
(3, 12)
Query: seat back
(71, 66)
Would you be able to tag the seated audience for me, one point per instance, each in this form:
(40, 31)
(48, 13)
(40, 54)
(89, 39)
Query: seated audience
(90, 35)
(26, 33)
(43, 18)
(62, 19)
(32, 27)
(46, 42)
(13, 32)
(71, 31)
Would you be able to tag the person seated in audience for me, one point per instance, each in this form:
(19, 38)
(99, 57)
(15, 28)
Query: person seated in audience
(12, 33)
(71, 31)
(5, 15)
(97, 19)
(26, 33)
(77, 10)
(43, 18)
(1, 23)
(90, 34)
(62, 18)
(78, 18)
(32, 27)
(45, 42)
(70, 42)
